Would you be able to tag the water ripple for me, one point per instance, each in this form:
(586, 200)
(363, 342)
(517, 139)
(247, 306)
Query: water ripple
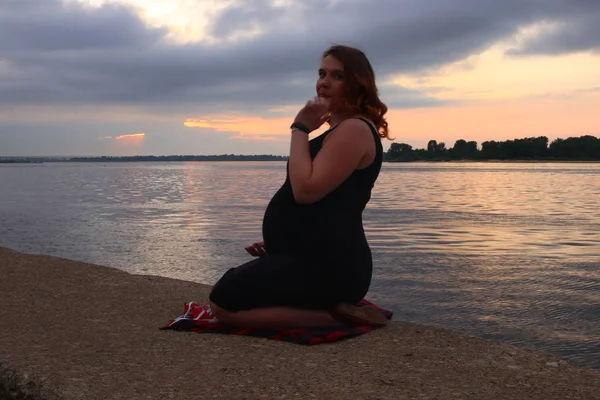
(505, 251)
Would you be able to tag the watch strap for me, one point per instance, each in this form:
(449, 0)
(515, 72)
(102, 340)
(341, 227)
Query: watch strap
(300, 126)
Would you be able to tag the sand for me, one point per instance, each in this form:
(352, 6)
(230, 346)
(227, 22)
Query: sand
(72, 330)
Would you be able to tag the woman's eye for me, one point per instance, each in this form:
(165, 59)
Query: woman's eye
(337, 76)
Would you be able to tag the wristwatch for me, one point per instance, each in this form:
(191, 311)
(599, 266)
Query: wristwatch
(299, 126)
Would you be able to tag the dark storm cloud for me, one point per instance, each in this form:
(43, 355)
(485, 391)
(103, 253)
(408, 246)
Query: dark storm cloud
(577, 32)
(51, 54)
(47, 25)
(245, 16)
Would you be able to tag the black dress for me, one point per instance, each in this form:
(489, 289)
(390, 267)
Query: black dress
(317, 254)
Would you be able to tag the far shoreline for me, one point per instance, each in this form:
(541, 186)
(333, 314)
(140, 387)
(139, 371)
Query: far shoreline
(522, 161)
(128, 161)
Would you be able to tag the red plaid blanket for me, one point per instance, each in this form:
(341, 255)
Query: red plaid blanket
(305, 336)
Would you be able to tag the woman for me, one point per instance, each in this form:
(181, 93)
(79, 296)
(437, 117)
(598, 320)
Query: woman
(315, 264)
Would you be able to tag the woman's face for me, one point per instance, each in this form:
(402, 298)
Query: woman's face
(330, 84)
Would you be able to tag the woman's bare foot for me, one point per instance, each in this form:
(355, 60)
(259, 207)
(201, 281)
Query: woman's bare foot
(358, 315)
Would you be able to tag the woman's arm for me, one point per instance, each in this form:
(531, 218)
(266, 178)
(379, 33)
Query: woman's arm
(340, 155)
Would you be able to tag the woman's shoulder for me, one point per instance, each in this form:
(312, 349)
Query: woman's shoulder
(354, 128)
(366, 121)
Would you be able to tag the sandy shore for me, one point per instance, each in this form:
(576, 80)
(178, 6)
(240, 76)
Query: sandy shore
(81, 331)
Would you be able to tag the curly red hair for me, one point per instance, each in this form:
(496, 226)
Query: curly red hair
(362, 96)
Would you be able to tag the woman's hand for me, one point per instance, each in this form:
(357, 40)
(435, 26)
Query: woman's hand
(314, 114)
(257, 249)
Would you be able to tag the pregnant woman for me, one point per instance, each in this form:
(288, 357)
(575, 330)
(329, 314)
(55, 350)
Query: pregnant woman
(315, 264)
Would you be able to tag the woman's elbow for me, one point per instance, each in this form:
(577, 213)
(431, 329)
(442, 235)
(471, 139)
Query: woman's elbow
(304, 197)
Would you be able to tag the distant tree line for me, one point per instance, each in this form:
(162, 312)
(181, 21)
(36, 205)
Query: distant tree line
(222, 157)
(15, 161)
(584, 148)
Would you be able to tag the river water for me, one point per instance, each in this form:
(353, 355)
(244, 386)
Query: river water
(509, 251)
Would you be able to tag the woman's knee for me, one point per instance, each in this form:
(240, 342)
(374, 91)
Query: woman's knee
(222, 302)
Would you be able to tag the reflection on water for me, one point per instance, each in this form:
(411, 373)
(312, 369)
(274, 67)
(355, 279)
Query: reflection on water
(506, 251)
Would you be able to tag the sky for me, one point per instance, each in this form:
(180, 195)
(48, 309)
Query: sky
(163, 77)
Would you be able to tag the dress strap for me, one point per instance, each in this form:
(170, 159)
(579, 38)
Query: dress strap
(366, 121)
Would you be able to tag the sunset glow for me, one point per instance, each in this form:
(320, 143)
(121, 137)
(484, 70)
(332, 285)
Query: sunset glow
(498, 120)
(228, 76)
(495, 76)
(246, 127)
(131, 136)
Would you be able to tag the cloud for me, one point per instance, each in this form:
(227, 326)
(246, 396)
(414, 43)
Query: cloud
(127, 136)
(84, 137)
(278, 138)
(262, 54)
(396, 96)
(50, 26)
(576, 29)
(589, 90)
(130, 136)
